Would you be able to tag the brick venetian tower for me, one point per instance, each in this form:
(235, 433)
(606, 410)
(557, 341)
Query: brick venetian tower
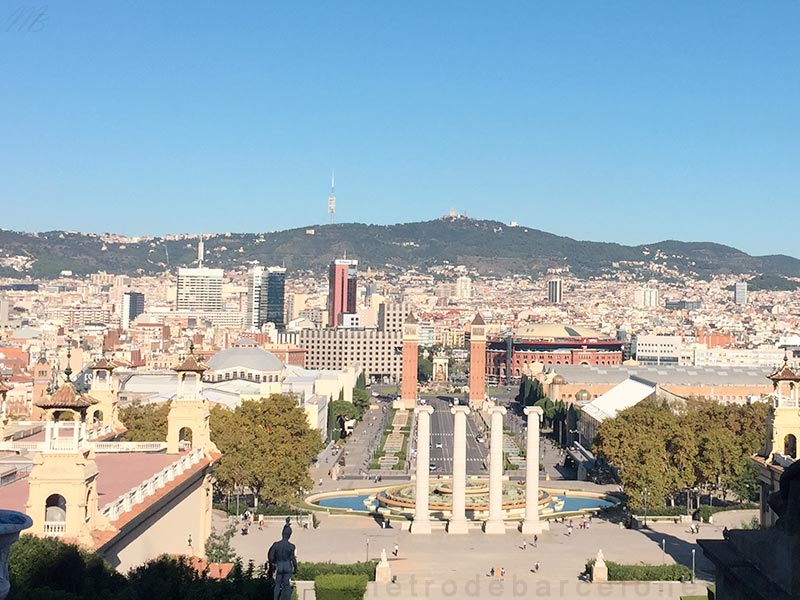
(408, 387)
(477, 362)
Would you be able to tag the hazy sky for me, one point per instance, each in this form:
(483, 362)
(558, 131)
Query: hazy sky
(604, 120)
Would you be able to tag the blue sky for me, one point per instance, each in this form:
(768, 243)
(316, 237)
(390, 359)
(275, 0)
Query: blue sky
(616, 121)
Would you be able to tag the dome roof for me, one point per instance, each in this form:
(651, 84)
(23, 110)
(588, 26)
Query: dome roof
(245, 355)
(555, 331)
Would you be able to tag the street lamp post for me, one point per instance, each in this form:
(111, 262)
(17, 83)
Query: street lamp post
(644, 501)
(693, 565)
(367, 549)
(663, 551)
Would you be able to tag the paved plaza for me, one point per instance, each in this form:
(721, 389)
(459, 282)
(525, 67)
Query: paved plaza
(445, 566)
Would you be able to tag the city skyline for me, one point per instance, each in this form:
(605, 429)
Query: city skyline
(629, 123)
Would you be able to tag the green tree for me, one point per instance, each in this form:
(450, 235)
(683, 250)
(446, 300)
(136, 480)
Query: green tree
(267, 446)
(548, 409)
(746, 485)
(635, 441)
(218, 545)
(145, 423)
(361, 401)
(424, 368)
(361, 381)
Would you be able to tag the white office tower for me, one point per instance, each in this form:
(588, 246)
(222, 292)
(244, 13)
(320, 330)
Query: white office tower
(646, 298)
(255, 282)
(554, 291)
(132, 307)
(464, 288)
(199, 289)
(740, 292)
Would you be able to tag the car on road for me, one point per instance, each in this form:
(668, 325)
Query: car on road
(439, 444)
(480, 439)
(432, 466)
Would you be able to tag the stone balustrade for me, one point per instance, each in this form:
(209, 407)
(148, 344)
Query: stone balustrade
(139, 493)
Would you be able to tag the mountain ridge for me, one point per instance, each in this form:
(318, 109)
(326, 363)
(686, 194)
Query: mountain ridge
(483, 246)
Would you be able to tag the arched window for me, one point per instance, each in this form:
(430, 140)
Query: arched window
(185, 438)
(790, 446)
(55, 509)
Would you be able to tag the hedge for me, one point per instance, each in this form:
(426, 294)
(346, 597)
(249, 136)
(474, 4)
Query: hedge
(309, 571)
(705, 510)
(663, 511)
(340, 587)
(619, 572)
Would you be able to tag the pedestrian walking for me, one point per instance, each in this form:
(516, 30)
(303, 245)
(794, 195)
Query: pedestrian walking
(535, 540)
(524, 544)
(536, 566)
(396, 549)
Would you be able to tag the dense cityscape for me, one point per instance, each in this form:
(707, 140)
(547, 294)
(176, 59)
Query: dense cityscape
(351, 301)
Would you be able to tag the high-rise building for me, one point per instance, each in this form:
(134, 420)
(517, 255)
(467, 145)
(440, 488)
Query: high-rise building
(342, 290)
(255, 281)
(132, 307)
(266, 296)
(199, 289)
(554, 291)
(464, 288)
(274, 295)
(646, 298)
(740, 292)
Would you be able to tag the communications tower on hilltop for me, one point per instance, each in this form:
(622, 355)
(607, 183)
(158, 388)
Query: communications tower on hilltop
(332, 200)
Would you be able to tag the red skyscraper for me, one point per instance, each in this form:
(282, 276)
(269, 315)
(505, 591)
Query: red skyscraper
(342, 282)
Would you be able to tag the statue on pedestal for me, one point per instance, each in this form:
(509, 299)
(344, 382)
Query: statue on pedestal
(786, 501)
(282, 563)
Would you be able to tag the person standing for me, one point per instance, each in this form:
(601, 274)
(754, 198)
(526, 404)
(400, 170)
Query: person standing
(524, 544)
(281, 564)
(535, 540)
(396, 549)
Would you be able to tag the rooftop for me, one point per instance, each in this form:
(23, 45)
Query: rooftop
(664, 375)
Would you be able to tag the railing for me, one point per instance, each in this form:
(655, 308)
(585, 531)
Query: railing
(148, 487)
(783, 460)
(68, 445)
(99, 432)
(129, 446)
(55, 528)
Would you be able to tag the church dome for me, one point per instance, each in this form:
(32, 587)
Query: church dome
(245, 354)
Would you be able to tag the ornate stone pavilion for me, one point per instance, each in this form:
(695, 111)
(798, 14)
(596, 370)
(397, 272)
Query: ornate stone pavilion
(129, 501)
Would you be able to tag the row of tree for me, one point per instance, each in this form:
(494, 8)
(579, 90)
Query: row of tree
(701, 445)
(267, 445)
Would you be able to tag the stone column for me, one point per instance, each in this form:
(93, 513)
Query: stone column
(458, 519)
(494, 524)
(422, 516)
(531, 524)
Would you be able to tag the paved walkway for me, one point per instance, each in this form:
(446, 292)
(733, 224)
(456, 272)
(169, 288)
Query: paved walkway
(444, 566)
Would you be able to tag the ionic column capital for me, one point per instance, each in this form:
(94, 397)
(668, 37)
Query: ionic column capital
(497, 410)
(534, 410)
(423, 408)
(464, 410)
